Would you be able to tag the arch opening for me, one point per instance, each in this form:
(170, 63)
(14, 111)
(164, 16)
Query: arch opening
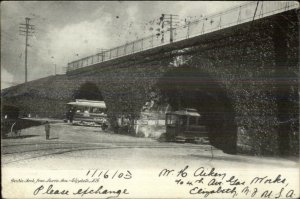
(188, 87)
(88, 91)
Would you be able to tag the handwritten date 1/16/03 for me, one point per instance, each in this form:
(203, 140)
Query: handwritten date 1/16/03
(108, 174)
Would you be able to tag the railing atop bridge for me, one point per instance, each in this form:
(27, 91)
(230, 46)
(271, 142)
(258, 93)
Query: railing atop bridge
(231, 17)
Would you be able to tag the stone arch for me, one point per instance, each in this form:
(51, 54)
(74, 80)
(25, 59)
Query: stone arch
(189, 87)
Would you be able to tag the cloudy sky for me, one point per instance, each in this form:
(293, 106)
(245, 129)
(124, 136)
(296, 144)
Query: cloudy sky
(68, 30)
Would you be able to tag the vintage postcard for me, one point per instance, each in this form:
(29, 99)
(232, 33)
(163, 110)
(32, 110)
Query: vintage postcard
(150, 99)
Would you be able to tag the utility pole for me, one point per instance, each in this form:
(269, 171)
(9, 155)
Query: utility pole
(101, 52)
(172, 20)
(171, 29)
(188, 29)
(54, 65)
(26, 30)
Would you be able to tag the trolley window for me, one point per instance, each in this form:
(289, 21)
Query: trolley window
(183, 120)
(193, 120)
(172, 120)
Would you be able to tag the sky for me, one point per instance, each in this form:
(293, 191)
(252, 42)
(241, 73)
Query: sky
(69, 30)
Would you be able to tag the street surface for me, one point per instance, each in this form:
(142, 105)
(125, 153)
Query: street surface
(79, 147)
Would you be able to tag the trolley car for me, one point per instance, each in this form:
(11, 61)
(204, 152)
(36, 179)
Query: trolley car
(87, 113)
(186, 126)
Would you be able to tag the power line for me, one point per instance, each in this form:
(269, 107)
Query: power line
(8, 36)
(26, 30)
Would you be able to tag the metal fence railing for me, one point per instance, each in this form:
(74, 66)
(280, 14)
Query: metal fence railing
(231, 17)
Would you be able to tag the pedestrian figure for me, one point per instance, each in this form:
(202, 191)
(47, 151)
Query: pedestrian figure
(104, 126)
(68, 116)
(72, 113)
(47, 130)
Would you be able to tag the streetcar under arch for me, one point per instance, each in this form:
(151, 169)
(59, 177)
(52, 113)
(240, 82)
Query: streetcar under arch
(188, 87)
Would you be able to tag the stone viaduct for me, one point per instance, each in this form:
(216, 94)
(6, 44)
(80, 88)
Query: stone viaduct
(243, 79)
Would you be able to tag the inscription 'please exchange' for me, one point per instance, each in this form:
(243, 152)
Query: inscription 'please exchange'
(101, 190)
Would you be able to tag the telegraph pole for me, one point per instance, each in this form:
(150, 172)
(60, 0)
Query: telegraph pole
(187, 23)
(101, 52)
(26, 30)
(54, 65)
(171, 29)
(171, 20)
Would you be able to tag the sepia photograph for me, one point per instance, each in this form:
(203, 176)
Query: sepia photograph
(150, 99)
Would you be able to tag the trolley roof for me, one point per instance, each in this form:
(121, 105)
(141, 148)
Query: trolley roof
(187, 111)
(89, 103)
